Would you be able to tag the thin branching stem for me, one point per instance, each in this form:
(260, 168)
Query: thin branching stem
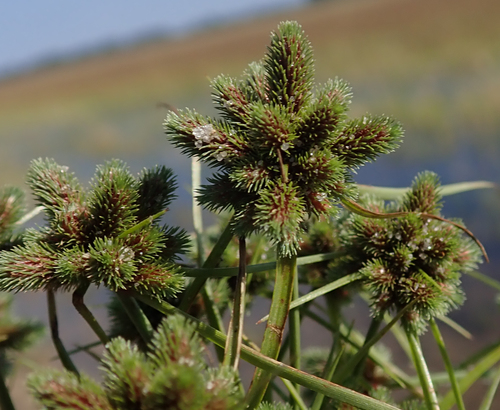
(87, 315)
(482, 364)
(137, 316)
(423, 372)
(299, 403)
(54, 332)
(320, 292)
(235, 332)
(213, 314)
(447, 362)
(5, 399)
(490, 394)
(371, 339)
(279, 369)
(294, 331)
(211, 262)
(330, 366)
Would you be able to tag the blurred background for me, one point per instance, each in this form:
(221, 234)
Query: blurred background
(84, 82)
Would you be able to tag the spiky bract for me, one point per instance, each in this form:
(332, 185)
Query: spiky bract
(284, 148)
(172, 375)
(94, 236)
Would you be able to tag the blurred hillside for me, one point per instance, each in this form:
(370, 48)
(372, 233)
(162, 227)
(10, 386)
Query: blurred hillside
(435, 66)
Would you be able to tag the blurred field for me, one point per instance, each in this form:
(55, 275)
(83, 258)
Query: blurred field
(433, 65)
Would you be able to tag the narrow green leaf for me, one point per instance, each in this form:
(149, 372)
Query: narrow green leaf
(490, 394)
(320, 292)
(481, 367)
(423, 372)
(447, 362)
(295, 394)
(456, 327)
(493, 283)
(388, 193)
(205, 273)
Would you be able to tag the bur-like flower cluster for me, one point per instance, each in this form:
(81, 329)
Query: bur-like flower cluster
(172, 375)
(94, 236)
(11, 210)
(283, 148)
(410, 259)
(15, 334)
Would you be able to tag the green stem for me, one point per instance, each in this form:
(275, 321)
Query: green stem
(294, 332)
(278, 313)
(277, 390)
(423, 372)
(363, 353)
(484, 363)
(490, 394)
(279, 369)
(211, 262)
(5, 399)
(54, 332)
(330, 366)
(493, 283)
(87, 315)
(299, 403)
(235, 331)
(319, 292)
(205, 273)
(137, 316)
(213, 314)
(447, 363)
(371, 339)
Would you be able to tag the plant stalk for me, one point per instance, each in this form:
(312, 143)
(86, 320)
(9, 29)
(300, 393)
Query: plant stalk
(294, 327)
(448, 365)
(278, 313)
(423, 372)
(87, 315)
(137, 316)
(211, 262)
(279, 369)
(235, 331)
(54, 332)
(5, 399)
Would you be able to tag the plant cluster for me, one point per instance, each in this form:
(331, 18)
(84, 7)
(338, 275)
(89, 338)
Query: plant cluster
(171, 375)
(283, 148)
(97, 236)
(284, 151)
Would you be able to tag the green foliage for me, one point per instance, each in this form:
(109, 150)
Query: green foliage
(283, 148)
(170, 375)
(96, 236)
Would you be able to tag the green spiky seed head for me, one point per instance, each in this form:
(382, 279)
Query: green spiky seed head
(283, 148)
(107, 235)
(171, 375)
(410, 259)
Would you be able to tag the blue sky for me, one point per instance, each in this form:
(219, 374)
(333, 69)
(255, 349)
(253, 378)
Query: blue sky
(34, 31)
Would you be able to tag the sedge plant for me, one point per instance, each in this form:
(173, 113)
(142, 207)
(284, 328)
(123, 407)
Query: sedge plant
(283, 151)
